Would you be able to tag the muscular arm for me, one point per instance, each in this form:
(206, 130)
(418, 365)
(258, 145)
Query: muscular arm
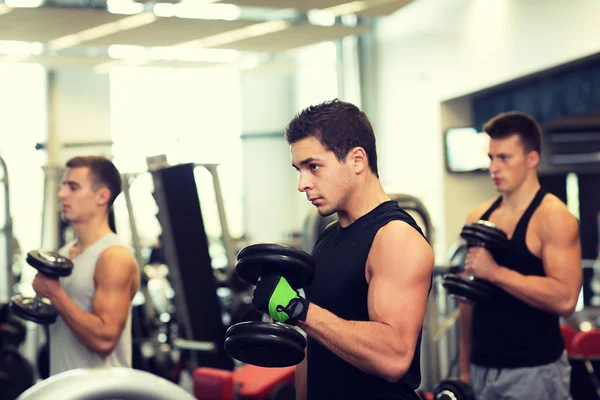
(116, 281)
(558, 291)
(399, 271)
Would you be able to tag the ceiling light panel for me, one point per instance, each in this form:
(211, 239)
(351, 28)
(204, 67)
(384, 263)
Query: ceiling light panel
(45, 24)
(170, 31)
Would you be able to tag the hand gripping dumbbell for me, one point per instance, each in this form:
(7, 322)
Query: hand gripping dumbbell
(38, 309)
(266, 343)
(453, 389)
(466, 287)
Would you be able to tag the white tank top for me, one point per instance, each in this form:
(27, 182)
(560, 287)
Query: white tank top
(66, 351)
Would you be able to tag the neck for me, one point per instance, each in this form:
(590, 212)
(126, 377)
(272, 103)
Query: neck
(90, 231)
(364, 198)
(522, 196)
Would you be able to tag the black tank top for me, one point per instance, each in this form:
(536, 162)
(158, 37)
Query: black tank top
(340, 286)
(507, 333)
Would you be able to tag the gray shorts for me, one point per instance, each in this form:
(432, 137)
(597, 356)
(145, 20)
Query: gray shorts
(547, 382)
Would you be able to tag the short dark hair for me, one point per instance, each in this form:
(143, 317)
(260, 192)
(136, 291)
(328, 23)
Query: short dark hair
(516, 123)
(338, 126)
(103, 172)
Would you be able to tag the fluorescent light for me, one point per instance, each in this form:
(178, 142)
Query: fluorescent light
(228, 12)
(134, 21)
(120, 51)
(355, 6)
(349, 19)
(128, 7)
(320, 17)
(4, 9)
(15, 47)
(170, 53)
(164, 9)
(255, 30)
(24, 3)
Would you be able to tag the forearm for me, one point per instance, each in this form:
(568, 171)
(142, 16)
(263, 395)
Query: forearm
(466, 316)
(370, 346)
(543, 292)
(88, 328)
(301, 380)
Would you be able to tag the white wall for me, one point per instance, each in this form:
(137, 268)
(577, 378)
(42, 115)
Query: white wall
(273, 207)
(268, 177)
(433, 50)
(81, 111)
(23, 123)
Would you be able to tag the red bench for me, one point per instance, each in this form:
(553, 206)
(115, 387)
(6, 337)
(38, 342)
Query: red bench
(248, 381)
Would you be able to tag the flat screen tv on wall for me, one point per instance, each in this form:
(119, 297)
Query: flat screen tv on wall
(466, 150)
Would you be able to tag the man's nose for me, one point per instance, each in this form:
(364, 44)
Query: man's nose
(303, 183)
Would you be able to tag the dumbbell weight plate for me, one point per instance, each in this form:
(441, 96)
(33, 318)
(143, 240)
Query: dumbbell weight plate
(265, 345)
(50, 263)
(475, 238)
(297, 272)
(463, 288)
(25, 308)
(486, 288)
(485, 234)
(274, 248)
(453, 389)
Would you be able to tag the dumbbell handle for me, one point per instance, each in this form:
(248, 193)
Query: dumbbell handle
(37, 302)
(267, 318)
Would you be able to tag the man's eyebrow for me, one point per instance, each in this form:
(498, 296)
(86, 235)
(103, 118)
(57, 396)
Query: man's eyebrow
(70, 183)
(307, 161)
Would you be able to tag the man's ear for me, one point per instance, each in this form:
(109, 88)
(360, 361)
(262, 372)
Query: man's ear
(357, 159)
(533, 159)
(103, 195)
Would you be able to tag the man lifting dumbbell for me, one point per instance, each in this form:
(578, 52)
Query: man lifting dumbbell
(466, 287)
(512, 347)
(364, 309)
(269, 343)
(93, 328)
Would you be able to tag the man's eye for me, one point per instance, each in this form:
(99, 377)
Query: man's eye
(314, 167)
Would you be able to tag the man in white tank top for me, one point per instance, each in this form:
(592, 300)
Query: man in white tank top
(94, 303)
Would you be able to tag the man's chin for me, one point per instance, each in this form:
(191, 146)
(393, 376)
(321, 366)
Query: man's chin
(324, 212)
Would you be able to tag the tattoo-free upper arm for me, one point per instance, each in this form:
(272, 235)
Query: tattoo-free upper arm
(400, 266)
(561, 248)
(116, 280)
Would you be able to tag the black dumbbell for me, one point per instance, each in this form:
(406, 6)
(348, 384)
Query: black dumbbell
(468, 288)
(453, 389)
(266, 343)
(38, 309)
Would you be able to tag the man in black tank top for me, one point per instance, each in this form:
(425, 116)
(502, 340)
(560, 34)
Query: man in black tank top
(364, 311)
(512, 347)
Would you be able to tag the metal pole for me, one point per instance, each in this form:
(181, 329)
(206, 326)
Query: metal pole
(230, 248)
(137, 248)
(8, 231)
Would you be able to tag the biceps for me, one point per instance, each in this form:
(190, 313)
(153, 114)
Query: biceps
(563, 262)
(398, 304)
(111, 305)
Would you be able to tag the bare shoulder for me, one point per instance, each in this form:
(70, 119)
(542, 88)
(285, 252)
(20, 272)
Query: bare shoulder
(116, 259)
(398, 241)
(554, 220)
(477, 211)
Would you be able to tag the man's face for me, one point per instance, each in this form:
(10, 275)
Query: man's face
(509, 163)
(78, 197)
(326, 181)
